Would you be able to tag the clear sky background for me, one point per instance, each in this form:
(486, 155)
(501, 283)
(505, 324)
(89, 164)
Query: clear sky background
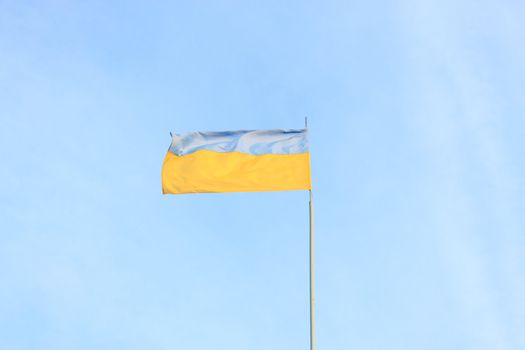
(417, 122)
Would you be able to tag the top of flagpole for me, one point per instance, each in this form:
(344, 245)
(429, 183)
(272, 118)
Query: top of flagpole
(306, 123)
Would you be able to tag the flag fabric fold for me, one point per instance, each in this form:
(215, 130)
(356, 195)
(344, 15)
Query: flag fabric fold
(237, 161)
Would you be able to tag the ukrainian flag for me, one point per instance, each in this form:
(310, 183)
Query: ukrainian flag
(237, 161)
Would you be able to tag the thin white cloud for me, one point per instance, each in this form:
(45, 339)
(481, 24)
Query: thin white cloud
(459, 116)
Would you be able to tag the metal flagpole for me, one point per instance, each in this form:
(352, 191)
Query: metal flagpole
(312, 319)
(312, 309)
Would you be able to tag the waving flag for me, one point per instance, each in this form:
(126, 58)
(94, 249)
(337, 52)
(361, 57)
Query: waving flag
(237, 161)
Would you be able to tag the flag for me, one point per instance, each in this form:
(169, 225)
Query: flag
(237, 161)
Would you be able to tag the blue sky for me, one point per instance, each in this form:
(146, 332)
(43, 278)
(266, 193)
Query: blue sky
(416, 116)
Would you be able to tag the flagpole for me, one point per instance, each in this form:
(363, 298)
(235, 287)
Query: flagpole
(312, 314)
(311, 255)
